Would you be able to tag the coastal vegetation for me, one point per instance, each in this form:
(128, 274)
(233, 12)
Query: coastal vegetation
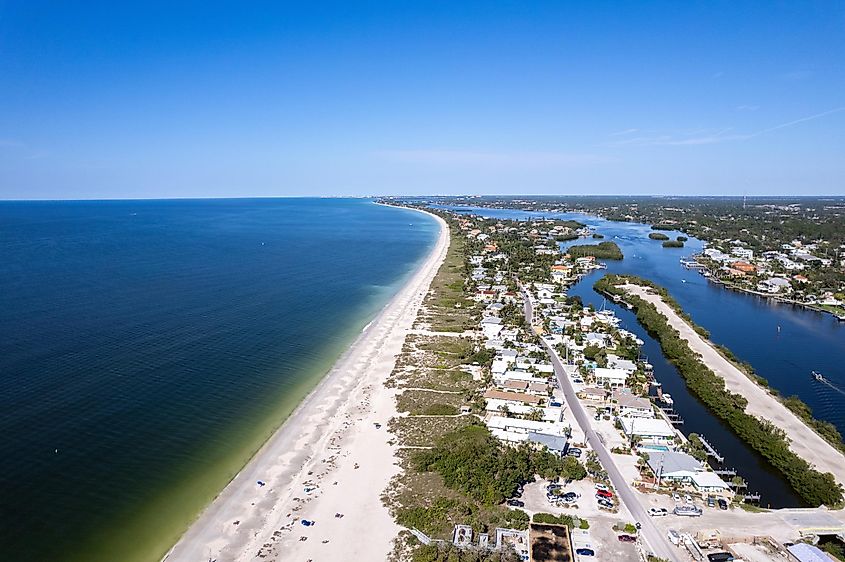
(602, 250)
(814, 487)
(483, 468)
(673, 244)
(454, 471)
(657, 236)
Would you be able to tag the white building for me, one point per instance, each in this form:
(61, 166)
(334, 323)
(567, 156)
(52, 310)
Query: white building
(515, 430)
(648, 430)
(613, 378)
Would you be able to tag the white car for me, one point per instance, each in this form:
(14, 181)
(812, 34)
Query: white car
(676, 497)
(658, 511)
(600, 486)
(688, 498)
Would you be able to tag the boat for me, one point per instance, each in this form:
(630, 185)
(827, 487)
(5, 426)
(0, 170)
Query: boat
(818, 376)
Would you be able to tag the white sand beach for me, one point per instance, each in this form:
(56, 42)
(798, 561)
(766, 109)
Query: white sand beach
(328, 463)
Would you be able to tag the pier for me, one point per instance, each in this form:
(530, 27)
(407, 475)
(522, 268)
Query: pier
(752, 497)
(711, 451)
(730, 472)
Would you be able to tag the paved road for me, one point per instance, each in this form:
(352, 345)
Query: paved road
(652, 536)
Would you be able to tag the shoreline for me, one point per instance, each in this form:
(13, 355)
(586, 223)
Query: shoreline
(328, 457)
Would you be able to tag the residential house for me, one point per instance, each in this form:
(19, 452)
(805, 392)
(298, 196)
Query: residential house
(612, 378)
(648, 430)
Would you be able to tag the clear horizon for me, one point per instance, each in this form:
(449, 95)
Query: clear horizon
(153, 101)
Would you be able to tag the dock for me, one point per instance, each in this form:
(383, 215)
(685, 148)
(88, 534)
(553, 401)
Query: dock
(710, 450)
(752, 497)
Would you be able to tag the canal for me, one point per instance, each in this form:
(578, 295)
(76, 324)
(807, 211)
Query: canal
(783, 343)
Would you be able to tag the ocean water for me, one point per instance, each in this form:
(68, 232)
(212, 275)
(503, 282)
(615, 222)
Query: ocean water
(148, 348)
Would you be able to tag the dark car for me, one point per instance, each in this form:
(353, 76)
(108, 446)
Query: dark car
(627, 538)
(720, 557)
(574, 452)
(722, 504)
(711, 501)
(515, 503)
(585, 551)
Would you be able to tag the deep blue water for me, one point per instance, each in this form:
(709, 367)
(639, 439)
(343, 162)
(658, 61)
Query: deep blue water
(149, 346)
(746, 324)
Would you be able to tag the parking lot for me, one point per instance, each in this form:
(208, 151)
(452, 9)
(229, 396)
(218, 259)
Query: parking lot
(585, 507)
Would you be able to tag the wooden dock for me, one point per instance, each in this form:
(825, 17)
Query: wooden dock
(710, 450)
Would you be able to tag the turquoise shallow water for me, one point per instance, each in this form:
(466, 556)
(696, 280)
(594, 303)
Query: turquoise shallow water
(147, 348)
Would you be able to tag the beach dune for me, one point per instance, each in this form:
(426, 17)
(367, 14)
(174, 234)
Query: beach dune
(323, 472)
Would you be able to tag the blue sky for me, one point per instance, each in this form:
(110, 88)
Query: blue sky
(207, 99)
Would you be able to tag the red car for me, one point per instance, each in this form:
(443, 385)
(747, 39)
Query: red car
(604, 494)
(627, 538)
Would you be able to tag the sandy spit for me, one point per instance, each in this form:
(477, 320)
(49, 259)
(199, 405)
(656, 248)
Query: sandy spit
(328, 463)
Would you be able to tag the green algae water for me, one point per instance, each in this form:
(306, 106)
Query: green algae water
(149, 348)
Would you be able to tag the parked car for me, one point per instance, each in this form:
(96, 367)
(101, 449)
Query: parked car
(720, 557)
(711, 501)
(688, 498)
(722, 503)
(600, 486)
(658, 511)
(627, 538)
(604, 493)
(574, 452)
(516, 503)
(676, 497)
(606, 503)
(585, 551)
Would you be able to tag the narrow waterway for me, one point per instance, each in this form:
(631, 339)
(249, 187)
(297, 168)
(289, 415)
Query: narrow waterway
(783, 343)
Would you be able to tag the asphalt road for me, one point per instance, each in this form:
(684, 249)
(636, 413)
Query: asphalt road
(650, 534)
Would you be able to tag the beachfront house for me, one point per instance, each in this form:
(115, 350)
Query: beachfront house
(514, 397)
(515, 430)
(491, 326)
(554, 443)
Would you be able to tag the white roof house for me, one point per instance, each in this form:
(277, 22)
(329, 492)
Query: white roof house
(709, 482)
(610, 377)
(652, 430)
(616, 362)
(515, 430)
(491, 326)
